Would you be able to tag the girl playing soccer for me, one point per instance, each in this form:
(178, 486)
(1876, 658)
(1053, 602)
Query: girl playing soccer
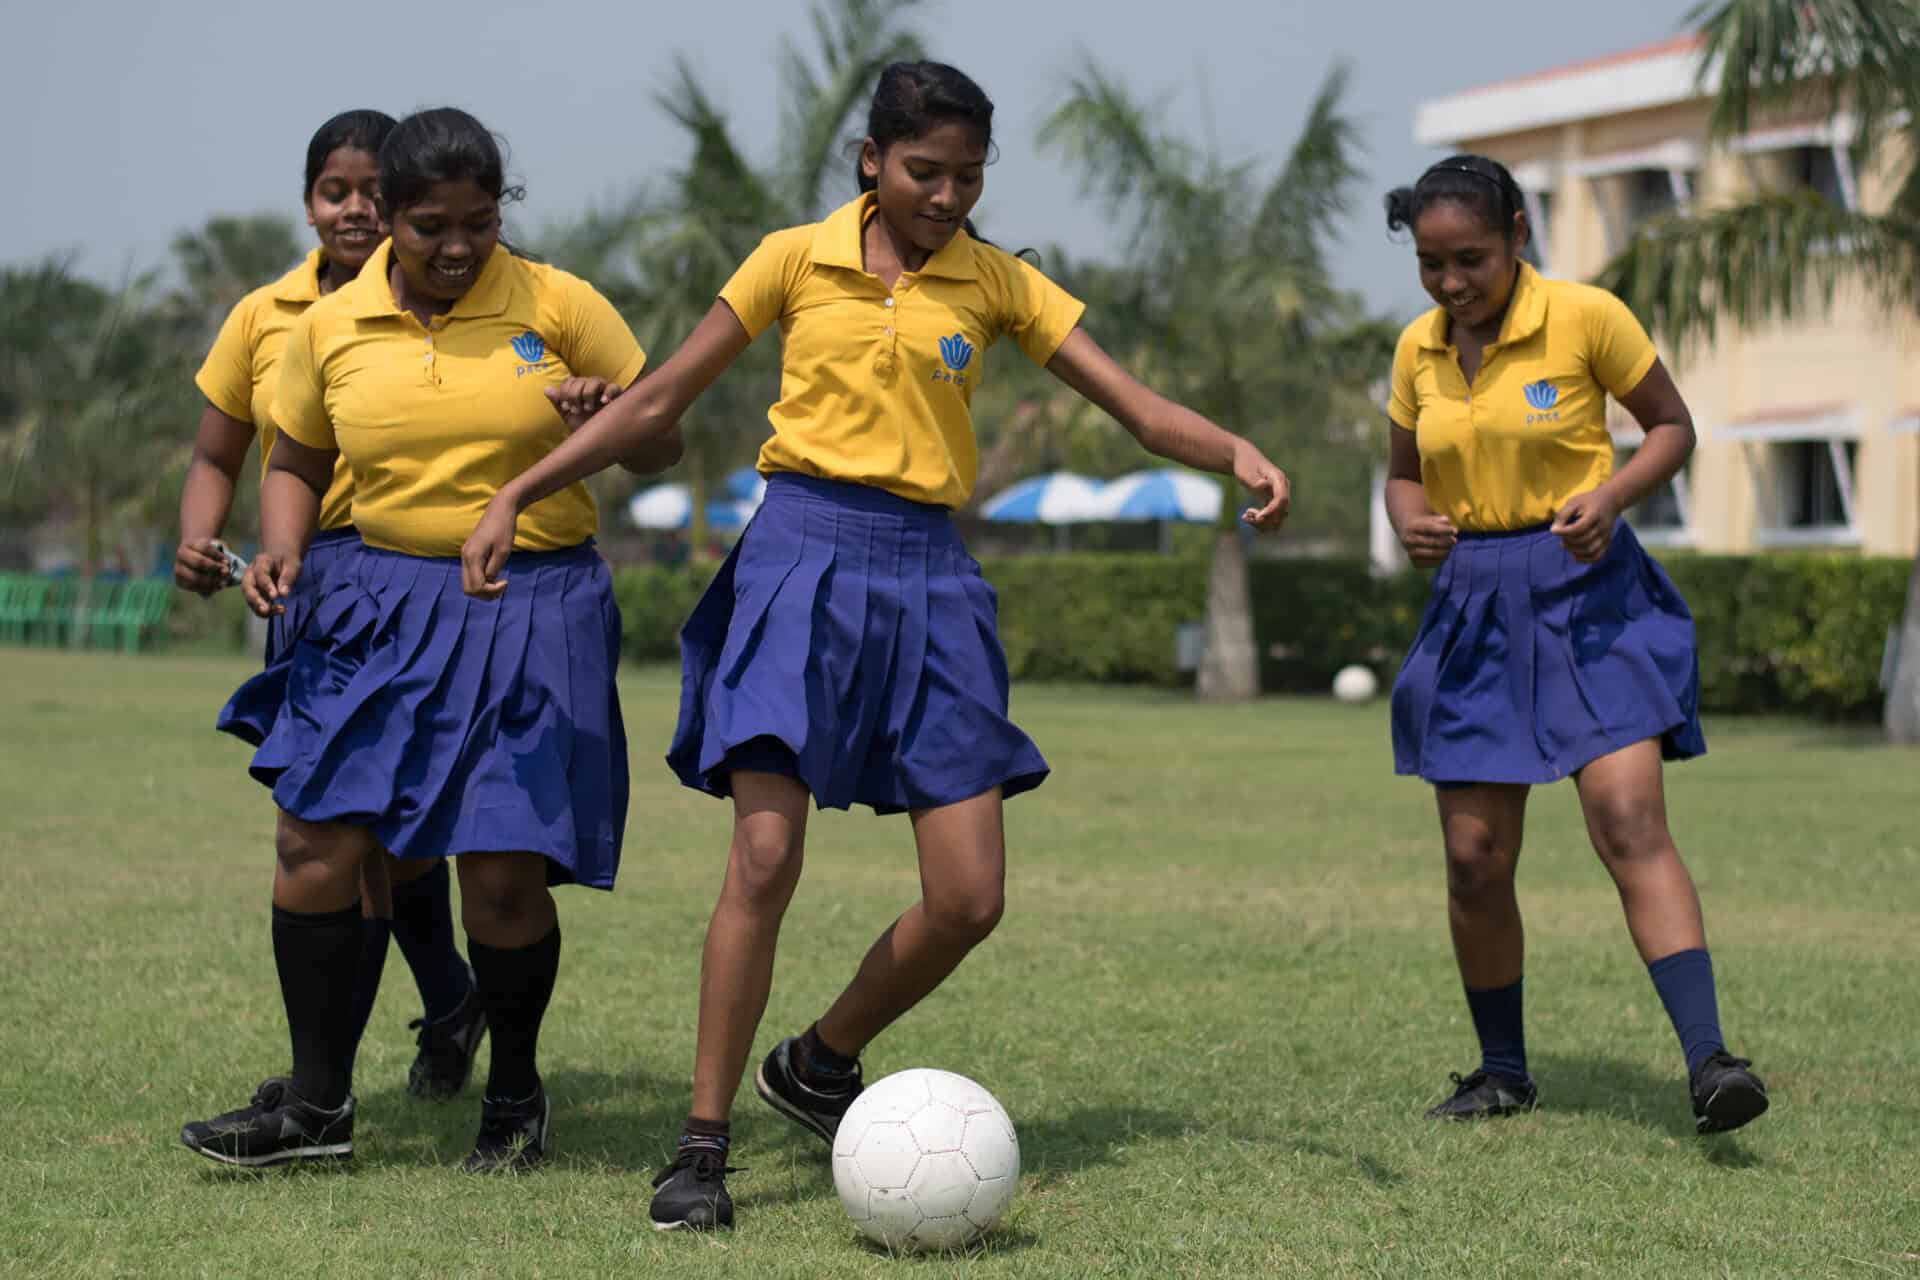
(846, 651)
(1552, 645)
(238, 379)
(414, 719)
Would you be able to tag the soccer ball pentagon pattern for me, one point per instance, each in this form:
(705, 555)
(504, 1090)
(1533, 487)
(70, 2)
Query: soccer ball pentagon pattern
(926, 1159)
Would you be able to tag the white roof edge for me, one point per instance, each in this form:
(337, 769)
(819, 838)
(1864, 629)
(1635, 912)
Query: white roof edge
(1842, 424)
(1606, 89)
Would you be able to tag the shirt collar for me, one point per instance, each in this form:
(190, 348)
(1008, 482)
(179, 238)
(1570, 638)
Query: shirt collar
(836, 243)
(1526, 313)
(302, 284)
(373, 292)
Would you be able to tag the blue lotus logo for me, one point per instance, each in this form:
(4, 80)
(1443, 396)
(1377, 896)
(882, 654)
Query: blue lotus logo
(529, 347)
(1542, 394)
(955, 351)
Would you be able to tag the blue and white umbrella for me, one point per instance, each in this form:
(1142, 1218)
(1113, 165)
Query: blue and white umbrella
(746, 485)
(1166, 494)
(1060, 497)
(670, 506)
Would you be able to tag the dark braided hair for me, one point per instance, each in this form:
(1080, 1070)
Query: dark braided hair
(1475, 182)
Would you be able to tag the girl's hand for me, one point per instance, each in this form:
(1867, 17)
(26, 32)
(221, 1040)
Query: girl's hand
(199, 567)
(486, 549)
(269, 580)
(1252, 469)
(1585, 523)
(578, 399)
(1428, 539)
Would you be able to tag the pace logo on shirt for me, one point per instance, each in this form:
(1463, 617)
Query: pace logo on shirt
(532, 351)
(955, 353)
(1542, 396)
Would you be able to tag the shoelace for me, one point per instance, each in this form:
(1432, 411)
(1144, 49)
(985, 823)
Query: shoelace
(708, 1165)
(1467, 1083)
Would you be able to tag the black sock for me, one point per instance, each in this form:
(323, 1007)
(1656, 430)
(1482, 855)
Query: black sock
(821, 1063)
(514, 989)
(423, 926)
(717, 1134)
(374, 933)
(1497, 1021)
(318, 956)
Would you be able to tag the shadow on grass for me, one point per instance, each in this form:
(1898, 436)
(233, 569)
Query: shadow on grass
(1628, 1091)
(1000, 1241)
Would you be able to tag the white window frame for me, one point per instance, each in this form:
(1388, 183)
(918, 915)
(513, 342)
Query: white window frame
(1834, 428)
(1836, 134)
(1678, 158)
(1535, 181)
(1627, 439)
(1907, 424)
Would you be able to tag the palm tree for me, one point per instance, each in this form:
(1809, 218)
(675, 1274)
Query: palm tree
(663, 255)
(93, 388)
(1233, 310)
(224, 261)
(1777, 256)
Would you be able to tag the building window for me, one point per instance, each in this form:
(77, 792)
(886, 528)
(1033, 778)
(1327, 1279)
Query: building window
(1540, 218)
(1806, 158)
(1631, 199)
(1813, 484)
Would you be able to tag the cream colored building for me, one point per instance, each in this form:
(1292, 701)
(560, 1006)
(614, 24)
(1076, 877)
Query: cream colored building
(1809, 433)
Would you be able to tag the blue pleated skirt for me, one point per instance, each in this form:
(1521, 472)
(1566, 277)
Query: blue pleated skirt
(449, 725)
(850, 641)
(1529, 664)
(250, 713)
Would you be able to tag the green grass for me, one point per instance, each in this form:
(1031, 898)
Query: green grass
(1221, 997)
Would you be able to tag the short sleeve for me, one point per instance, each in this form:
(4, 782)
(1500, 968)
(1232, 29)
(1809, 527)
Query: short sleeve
(599, 342)
(1037, 313)
(1618, 350)
(300, 401)
(1403, 402)
(226, 377)
(758, 291)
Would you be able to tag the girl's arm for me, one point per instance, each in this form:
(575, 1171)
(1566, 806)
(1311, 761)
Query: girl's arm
(1170, 430)
(649, 409)
(297, 478)
(1427, 535)
(219, 452)
(1585, 521)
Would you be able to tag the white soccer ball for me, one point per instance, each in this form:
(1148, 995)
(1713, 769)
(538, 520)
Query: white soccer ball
(926, 1159)
(1355, 684)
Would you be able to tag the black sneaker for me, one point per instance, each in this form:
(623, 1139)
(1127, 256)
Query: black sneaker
(1726, 1094)
(447, 1048)
(276, 1127)
(513, 1135)
(1485, 1094)
(780, 1086)
(691, 1193)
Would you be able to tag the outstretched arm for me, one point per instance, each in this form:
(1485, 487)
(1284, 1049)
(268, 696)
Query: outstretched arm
(628, 426)
(1170, 430)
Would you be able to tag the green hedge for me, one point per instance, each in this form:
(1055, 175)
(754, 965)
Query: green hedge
(1777, 632)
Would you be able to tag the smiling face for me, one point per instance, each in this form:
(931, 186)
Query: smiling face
(343, 208)
(1467, 266)
(926, 186)
(442, 240)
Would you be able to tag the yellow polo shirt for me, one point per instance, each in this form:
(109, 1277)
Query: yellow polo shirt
(238, 377)
(876, 385)
(432, 420)
(1532, 430)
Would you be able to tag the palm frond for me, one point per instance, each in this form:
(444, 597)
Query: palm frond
(1300, 214)
(1771, 258)
(854, 40)
(1106, 136)
(1860, 55)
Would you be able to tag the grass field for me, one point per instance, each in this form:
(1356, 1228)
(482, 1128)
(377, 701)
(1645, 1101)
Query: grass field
(1221, 998)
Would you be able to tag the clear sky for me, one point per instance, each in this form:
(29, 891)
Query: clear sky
(134, 121)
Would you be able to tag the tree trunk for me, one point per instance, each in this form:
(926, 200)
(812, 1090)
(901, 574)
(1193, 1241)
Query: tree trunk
(1229, 667)
(1903, 691)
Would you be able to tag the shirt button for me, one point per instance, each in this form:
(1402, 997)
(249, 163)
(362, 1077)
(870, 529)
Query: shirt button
(889, 302)
(889, 332)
